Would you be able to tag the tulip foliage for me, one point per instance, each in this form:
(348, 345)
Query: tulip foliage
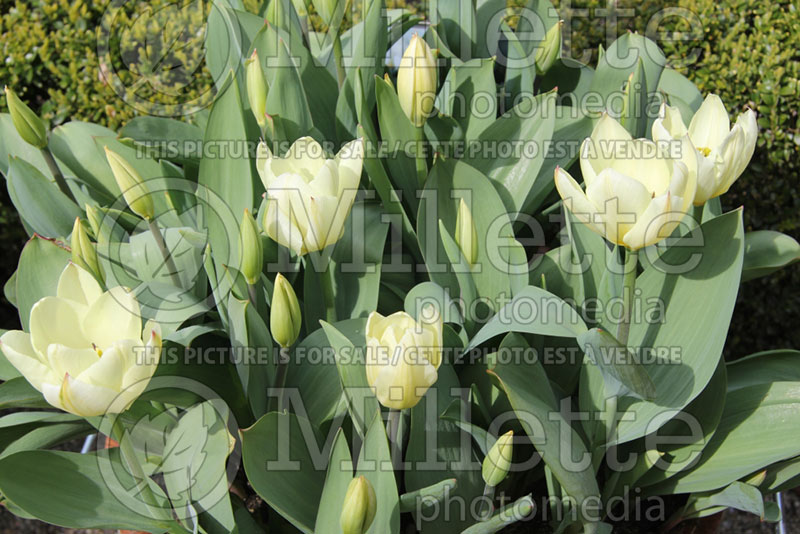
(477, 284)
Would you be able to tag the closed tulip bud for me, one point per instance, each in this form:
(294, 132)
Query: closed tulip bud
(251, 251)
(403, 357)
(257, 88)
(284, 314)
(94, 217)
(498, 461)
(719, 153)
(133, 188)
(550, 50)
(466, 234)
(86, 351)
(308, 195)
(29, 126)
(84, 254)
(636, 192)
(417, 81)
(360, 504)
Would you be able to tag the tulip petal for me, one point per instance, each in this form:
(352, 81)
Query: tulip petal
(402, 385)
(669, 122)
(282, 228)
(350, 161)
(87, 400)
(68, 360)
(55, 320)
(683, 183)
(143, 362)
(575, 200)
(706, 178)
(107, 370)
(19, 351)
(602, 149)
(643, 161)
(51, 391)
(115, 315)
(749, 125)
(326, 182)
(78, 285)
(264, 164)
(711, 124)
(656, 223)
(305, 157)
(619, 200)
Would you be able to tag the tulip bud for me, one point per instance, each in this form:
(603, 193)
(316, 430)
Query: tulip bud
(360, 504)
(251, 251)
(29, 126)
(550, 50)
(498, 461)
(417, 81)
(84, 254)
(284, 313)
(133, 188)
(466, 234)
(257, 88)
(403, 356)
(94, 217)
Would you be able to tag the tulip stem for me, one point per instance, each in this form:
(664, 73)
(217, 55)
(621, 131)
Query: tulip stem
(251, 292)
(421, 163)
(628, 290)
(328, 293)
(395, 444)
(338, 58)
(61, 182)
(487, 503)
(280, 377)
(162, 246)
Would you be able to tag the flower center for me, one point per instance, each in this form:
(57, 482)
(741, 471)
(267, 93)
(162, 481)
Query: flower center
(705, 151)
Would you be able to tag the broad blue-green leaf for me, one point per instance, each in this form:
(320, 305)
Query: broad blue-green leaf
(287, 98)
(468, 95)
(766, 251)
(194, 465)
(280, 454)
(375, 463)
(533, 311)
(764, 368)
(760, 426)
(39, 201)
(536, 406)
(674, 319)
(737, 495)
(436, 450)
(499, 269)
(40, 266)
(229, 180)
(256, 369)
(70, 490)
(620, 60)
(337, 480)
(681, 93)
(524, 139)
(361, 401)
(314, 372)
